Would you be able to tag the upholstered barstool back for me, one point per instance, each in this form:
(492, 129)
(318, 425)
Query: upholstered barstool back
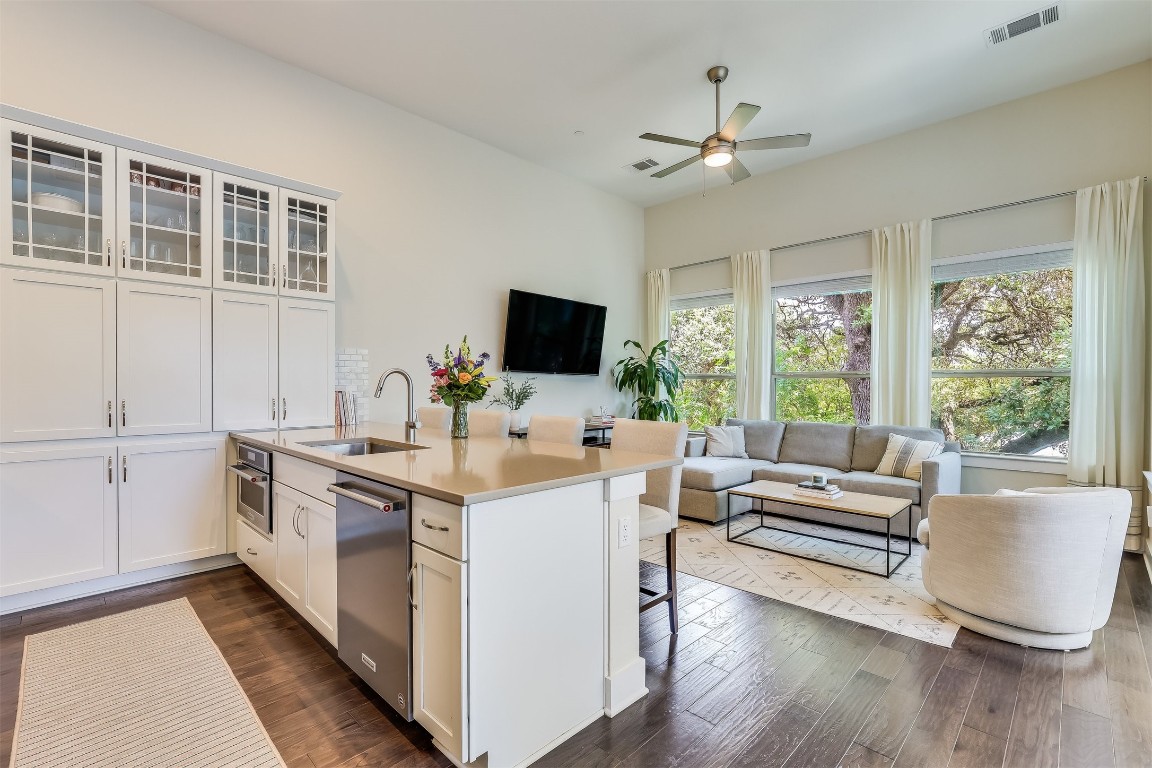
(431, 417)
(483, 423)
(661, 500)
(557, 429)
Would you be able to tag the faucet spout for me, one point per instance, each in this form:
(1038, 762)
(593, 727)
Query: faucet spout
(412, 424)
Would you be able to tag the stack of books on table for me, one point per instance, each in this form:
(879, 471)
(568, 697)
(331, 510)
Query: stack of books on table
(818, 490)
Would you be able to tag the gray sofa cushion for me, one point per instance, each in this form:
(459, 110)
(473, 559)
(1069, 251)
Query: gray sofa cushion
(715, 473)
(761, 437)
(829, 445)
(871, 441)
(880, 485)
(793, 473)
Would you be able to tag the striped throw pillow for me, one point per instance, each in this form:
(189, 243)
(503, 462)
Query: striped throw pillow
(904, 455)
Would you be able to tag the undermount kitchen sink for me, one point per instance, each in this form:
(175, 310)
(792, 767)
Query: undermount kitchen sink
(361, 446)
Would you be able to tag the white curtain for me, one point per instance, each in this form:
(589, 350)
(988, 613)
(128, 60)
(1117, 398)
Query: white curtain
(656, 325)
(752, 299)
(1106, 444)
(902, 324)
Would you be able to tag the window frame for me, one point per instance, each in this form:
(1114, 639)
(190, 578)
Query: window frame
(847, 282)
(715, 298)
(1012, 260)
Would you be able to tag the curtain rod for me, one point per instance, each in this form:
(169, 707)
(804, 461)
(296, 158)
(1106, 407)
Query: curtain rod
(864, 232)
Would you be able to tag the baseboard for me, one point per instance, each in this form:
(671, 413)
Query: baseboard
(41, 597)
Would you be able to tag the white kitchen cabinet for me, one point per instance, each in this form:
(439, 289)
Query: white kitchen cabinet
(318, 520)
(439, 648)
(255, 551)
(246, 235)
(58, 347)
(305, 573)
(307, 246)
(57, 196)
(164, 359)
(57, 516)
(171, 502)
(245, 360)
(162, 219)
(307, 363)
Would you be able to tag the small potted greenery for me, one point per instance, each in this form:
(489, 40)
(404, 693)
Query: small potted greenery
(644, 374)
(513, 397)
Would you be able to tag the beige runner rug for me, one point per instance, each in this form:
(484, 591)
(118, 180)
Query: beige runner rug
(143, 688)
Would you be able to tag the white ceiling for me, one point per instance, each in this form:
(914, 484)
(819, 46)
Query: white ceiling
(525, 75)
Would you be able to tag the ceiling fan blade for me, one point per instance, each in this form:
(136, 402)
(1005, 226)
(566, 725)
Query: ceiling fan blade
(677, 167)
(776, 142)
(736, 170)
(738, 120)
(669, 140)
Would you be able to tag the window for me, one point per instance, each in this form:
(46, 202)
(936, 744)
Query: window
(703, 343)
(1001, 348)
(822, 351)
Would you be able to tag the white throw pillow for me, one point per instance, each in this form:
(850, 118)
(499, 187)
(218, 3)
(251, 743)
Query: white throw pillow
(727, 442)
(904, 455)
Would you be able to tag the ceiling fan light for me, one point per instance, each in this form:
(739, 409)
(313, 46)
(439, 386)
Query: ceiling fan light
(718, 159)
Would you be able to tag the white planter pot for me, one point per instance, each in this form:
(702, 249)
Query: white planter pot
(514, 423)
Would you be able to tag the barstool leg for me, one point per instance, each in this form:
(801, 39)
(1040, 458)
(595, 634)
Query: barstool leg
(673, 603)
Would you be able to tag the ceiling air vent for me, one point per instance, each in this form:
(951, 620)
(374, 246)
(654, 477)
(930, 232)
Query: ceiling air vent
(1017, 27)
(641, 165)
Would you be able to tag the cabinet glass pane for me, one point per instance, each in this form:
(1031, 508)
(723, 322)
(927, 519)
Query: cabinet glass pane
(246, 212)
(307, 264)
(57, 200)
(164, 208)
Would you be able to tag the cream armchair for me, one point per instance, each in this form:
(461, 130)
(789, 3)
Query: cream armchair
(1037, 568)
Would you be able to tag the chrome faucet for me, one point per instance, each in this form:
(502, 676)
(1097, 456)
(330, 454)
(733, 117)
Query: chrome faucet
(413, 423)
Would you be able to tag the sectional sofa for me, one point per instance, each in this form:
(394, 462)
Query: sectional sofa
(791, 451)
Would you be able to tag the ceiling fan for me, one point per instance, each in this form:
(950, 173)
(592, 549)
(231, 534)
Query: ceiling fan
(719, 149)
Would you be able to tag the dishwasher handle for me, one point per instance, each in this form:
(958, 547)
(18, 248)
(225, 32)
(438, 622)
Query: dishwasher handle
(379, 503)
(247, 474)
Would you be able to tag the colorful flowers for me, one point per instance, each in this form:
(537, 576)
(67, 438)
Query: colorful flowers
(458, 377)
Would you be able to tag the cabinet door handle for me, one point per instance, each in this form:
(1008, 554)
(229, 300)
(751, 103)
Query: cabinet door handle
(283, 409)
(252, 551)
(109, 413)
(299, 520)
(108, 243)
(124, 464)
(295, 514)
(411, 601)
(109, 470)
(123, 254)
(123, 413)
(273, 409)
(425, 523)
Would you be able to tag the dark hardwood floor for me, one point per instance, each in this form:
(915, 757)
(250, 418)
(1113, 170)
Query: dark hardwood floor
(747, 682)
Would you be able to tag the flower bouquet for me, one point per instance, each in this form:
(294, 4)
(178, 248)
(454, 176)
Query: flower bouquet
(458, 380)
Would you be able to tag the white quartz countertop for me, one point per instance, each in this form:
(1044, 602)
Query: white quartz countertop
(460, 471)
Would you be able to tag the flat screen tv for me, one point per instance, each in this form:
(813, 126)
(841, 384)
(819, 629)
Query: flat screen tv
(550, 335)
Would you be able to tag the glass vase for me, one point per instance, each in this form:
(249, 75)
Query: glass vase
(459, 419)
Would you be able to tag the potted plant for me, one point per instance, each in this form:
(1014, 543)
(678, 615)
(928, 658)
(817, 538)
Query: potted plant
(514, 397)
(644, 374)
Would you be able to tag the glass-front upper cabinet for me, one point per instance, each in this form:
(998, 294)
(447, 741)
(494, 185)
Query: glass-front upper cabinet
(307, 246)
(56, 198)
(162, 219)
(247, 235)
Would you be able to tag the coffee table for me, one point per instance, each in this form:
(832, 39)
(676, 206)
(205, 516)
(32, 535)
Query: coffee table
(862, 504)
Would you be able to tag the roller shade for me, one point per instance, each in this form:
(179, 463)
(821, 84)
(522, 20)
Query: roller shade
(1026, 262)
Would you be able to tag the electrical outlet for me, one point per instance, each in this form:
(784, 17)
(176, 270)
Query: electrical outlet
(625, 531)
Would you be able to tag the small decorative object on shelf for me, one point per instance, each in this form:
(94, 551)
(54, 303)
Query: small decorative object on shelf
(514, 397)
(458, 380)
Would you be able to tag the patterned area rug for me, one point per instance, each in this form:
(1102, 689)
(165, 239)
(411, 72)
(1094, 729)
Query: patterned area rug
(899, 604)
(146, 687)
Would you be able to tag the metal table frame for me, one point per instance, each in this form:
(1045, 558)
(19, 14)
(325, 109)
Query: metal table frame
(886, 549)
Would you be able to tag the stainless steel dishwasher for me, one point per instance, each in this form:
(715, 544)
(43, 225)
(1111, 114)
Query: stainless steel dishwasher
(372, 554)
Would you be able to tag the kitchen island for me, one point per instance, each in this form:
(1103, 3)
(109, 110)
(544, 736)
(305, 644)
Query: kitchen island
(524, 578)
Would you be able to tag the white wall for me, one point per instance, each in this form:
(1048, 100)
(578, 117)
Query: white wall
(434, 227)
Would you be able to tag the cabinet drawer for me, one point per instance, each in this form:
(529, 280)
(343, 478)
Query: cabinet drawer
(255, 551)
(430, 518)
(304, 476)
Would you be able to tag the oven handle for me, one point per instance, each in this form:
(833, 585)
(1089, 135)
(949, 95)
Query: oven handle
(379, 504)
(247, 474)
